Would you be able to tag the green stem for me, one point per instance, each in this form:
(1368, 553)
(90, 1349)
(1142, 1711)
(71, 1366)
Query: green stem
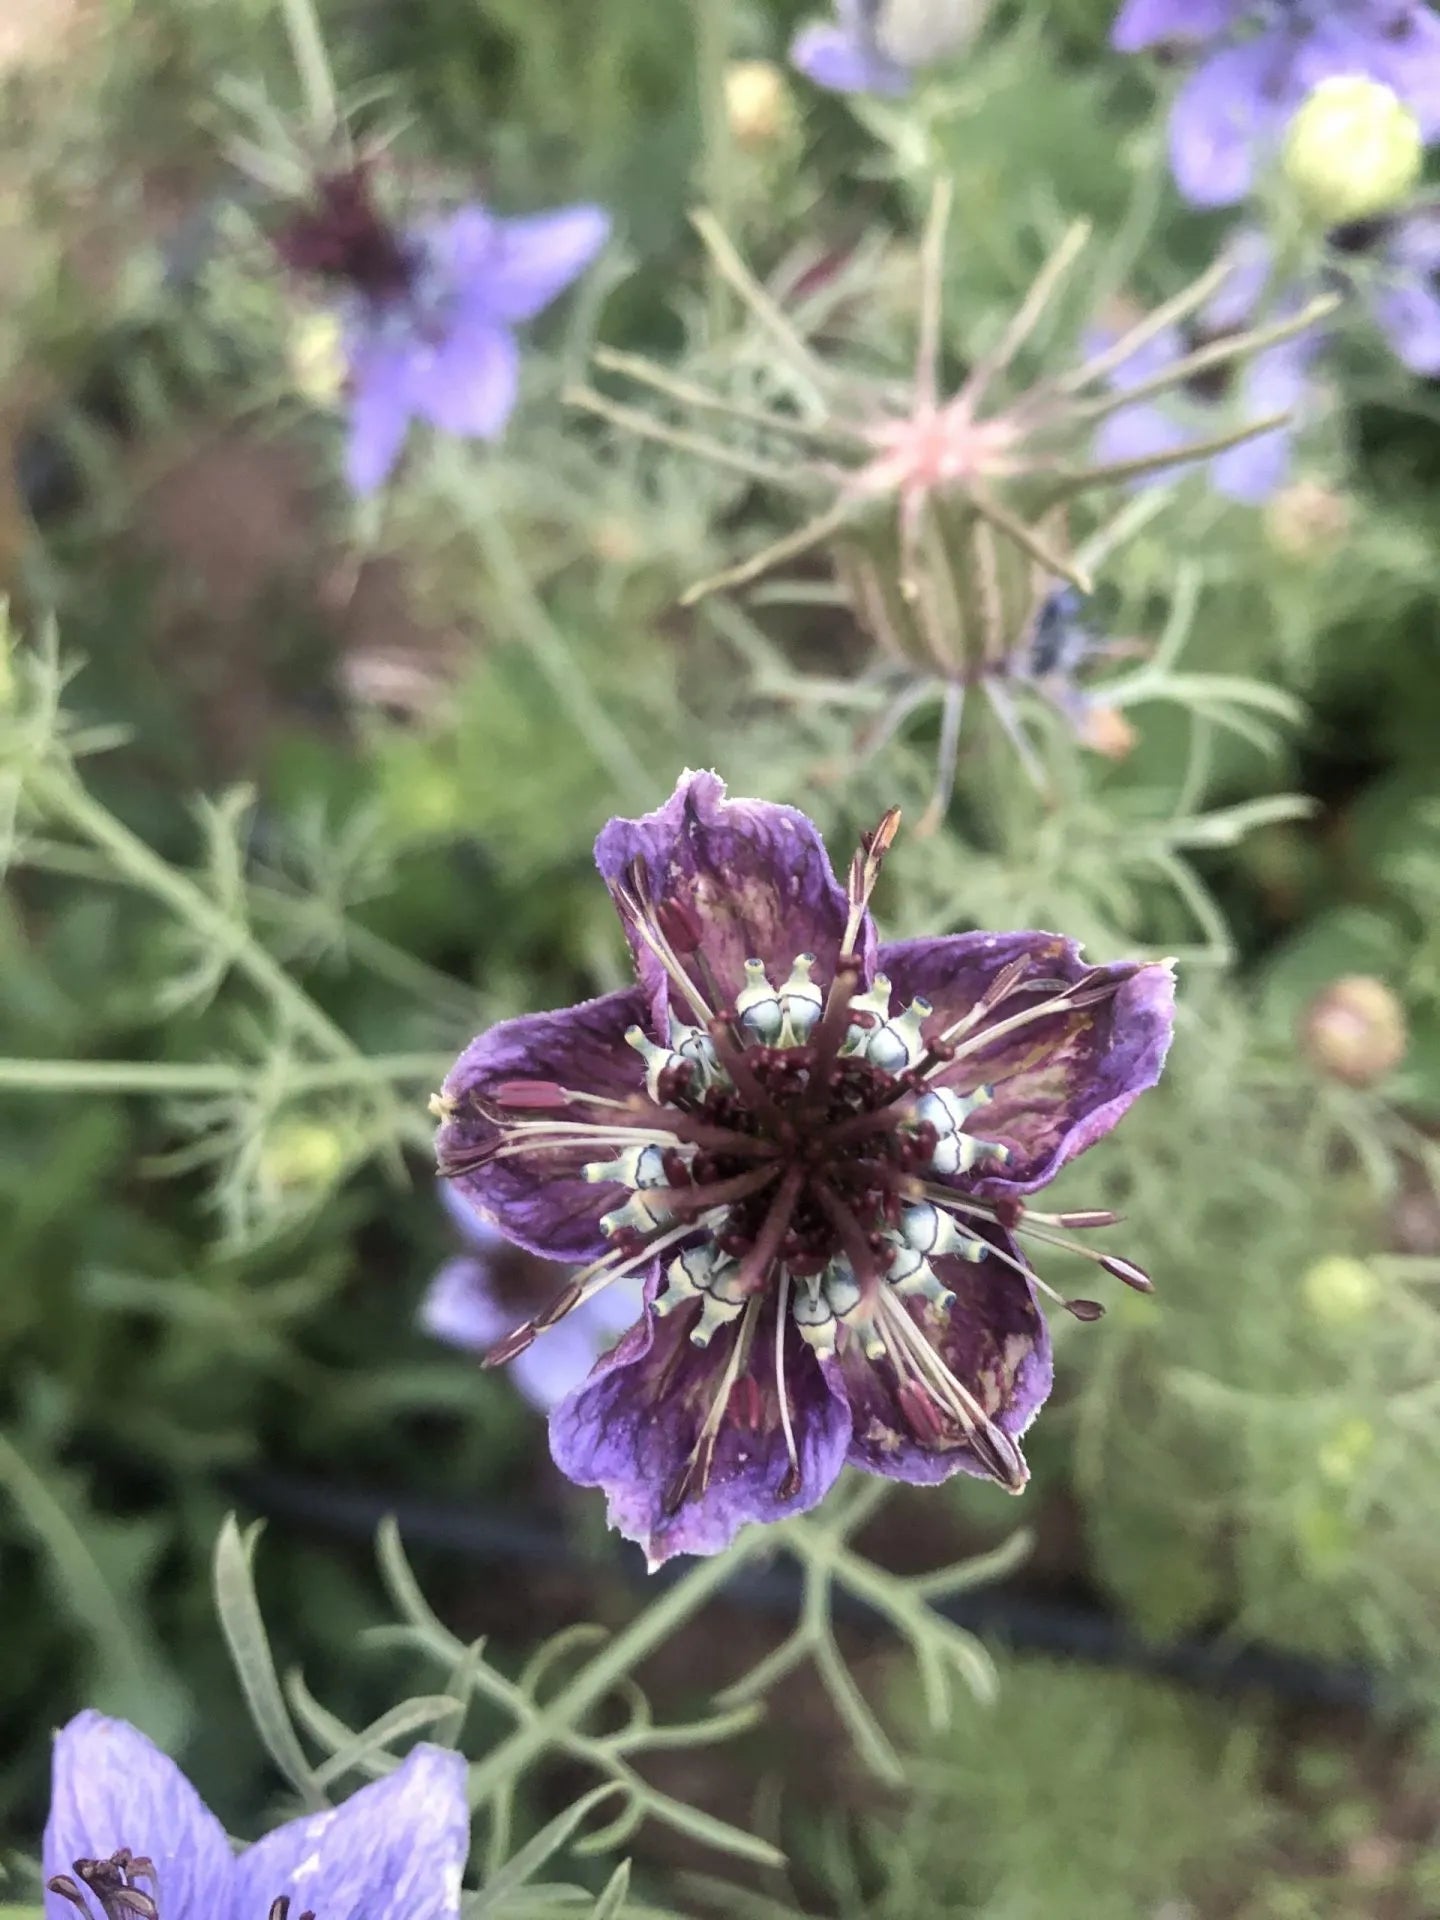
(554, 1723)
(164, 1076)
(716, 174)
(317, 83)
(59, 793)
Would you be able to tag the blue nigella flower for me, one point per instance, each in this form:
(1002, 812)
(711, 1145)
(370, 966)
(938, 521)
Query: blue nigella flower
(1261, 58)
(469, 1306)
(1393, 264)
(128, 1838)
(878, 46)
(429, 312)
(1278, 379)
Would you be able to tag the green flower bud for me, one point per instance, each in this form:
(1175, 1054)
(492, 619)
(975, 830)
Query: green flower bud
(1340, 1289)
(1351, 151)
(1344, 1452)
(302, 1156)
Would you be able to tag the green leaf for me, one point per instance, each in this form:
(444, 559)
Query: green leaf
(249, 1646)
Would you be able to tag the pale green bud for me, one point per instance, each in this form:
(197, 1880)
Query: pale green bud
(1352, 150)
(302, 1156)
(1340, 1289)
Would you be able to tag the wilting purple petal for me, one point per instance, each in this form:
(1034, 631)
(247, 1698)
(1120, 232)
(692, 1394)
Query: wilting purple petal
(111, 1788)
(539, 1198)
(466, 385)
(1235, 102)
(845, 61)
(1060, 1080)
(995, 1342)
(395, 1850)
(621, 1432)
(752, 879)
(1146, 23)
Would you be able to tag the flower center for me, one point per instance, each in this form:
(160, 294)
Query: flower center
(113, 1885)
(812, 1136)
(345, 240)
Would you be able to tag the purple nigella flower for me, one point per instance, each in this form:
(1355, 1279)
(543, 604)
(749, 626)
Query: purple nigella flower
(1394, 263)
(465, 1306)
(429, 313)
(129, 1838)
(817, 1151)
(844, 54)
(878, 46)
(1277, 379)
(1262, 58)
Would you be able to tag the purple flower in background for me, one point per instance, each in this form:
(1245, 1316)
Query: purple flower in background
(128, 1838)
(844, 54)
(774, 1129)
(878, 46)
(1277, 379)
(429, 312)
(465, 1306)
(1393, 263)
(1260, 60)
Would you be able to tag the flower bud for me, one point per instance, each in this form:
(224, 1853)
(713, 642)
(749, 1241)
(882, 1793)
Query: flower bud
(317, 358)
(301, 1156)
(1355, 1030)
(757, 104)
(1340, 1289)
(1352, 150)
(1345, 1450)
(1105, 730)
(1307, 520)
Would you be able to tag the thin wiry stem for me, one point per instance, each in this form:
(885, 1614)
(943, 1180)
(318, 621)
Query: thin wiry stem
(1027, 316)
(58, 792)
(1167, 314)
(646, 427)
(952, 712)
(733, 269)
(1026, 537)
(932, 295)
(1067, 480)
(1217, 353)
(801, 541)
(634, 366)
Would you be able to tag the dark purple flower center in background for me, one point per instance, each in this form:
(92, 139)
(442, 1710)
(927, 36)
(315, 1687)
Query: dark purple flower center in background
(345, 240)
(113, 1885)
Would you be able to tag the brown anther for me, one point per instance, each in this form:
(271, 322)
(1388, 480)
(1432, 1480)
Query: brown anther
(512, 1345)
(1088, 1217)
(564, 1302)
(1085, 1309)
(791, 1484)
(531, 1096)
(1127, 1271)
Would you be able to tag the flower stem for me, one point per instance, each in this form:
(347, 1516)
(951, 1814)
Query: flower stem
(58, 792)
(716, 171)
(174, 1076)
(613, 1663)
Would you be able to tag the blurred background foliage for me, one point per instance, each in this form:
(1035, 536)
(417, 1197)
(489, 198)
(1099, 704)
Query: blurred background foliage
(411, 718)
